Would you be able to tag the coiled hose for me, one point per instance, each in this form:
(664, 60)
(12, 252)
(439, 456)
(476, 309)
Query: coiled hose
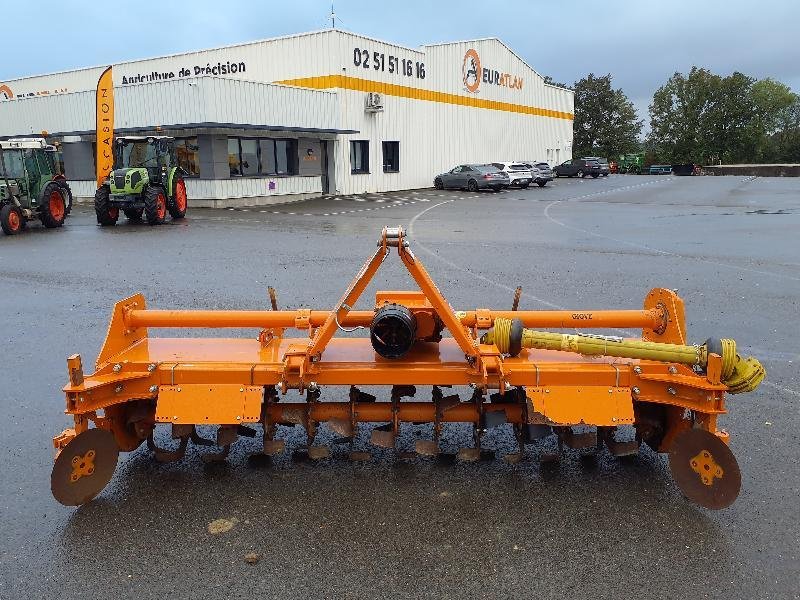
(739, 374)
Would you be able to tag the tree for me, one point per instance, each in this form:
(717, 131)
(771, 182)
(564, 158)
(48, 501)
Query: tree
(784, 145)
(679, 117)
(606, 122)
(705, 118)
(778, 115)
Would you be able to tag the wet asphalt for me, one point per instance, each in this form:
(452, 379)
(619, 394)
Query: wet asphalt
(601, 528)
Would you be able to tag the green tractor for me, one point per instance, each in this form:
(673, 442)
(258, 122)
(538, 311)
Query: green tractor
(631, 163)
(31, 185)
(146, 182)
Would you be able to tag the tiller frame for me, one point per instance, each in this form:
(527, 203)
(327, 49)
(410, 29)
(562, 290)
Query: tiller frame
(539, 383)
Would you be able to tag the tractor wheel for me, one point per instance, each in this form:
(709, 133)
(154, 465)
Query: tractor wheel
(67, 193)
(133, 214)
(155, 205)
(107, 215)
(11, 219)
(52, 206)
(177, 207)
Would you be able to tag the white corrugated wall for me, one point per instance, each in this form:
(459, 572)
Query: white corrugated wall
(433, 135)
(204, 100)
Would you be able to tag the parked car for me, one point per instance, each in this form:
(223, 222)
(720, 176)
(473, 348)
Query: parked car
(604, 168)
(473, 178)
(542, 173)
(519, 174)
(577, 167)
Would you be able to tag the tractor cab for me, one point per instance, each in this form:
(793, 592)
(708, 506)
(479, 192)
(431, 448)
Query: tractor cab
(146, 182)
(27, 166)
(31, 184)
(140, 160)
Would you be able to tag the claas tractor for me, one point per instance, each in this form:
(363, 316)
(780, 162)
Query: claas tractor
(631, 163)
(489, 369)
(31, 186)
(146, 182)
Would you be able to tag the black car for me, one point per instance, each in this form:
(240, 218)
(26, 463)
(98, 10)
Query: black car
(578, 167)
(604, 168)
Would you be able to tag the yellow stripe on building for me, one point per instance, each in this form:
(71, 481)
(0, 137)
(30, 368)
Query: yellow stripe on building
(391, 89)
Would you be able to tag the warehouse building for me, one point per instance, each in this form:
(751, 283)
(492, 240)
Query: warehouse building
(326, 112)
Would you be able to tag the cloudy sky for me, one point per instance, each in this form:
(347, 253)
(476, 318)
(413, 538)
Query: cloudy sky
(641, 43)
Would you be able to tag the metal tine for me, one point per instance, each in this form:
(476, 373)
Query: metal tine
(341, 427)
(274, 447)
(552, 459)
(246, 431)
(383, 437)
(448, 402)
(579, 441)
(619, 449)
(216, 457)
(513, 458)
(197, 440)
(357, 395)
(226, 435)
(165, 456)
(318, 452)
(427, 447)
(403, 391)
(469, 454)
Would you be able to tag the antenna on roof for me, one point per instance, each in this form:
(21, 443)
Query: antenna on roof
(333, 16)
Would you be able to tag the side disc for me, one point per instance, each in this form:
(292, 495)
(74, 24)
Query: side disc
(84, 467)
(705, 469)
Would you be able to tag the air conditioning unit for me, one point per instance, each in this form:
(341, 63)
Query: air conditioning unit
(374, 102)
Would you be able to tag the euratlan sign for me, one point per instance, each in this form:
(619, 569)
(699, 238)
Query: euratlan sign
(474, 74)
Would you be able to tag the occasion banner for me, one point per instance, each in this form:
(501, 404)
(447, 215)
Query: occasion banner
(105, 126)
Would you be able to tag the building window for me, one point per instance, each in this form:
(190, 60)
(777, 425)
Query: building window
(248, 156)
(359, 156)
(188, 154)
(278, 156)
(267, 156)
(234, 158)
(391, 157)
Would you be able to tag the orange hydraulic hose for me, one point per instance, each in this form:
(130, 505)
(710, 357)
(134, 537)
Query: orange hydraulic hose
(568, 319)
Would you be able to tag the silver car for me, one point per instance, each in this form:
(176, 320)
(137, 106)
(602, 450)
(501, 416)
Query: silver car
(472, 178)
(519, 174)
(542, 173)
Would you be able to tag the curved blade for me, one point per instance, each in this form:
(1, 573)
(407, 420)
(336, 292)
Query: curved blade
(84, 467)
(705, 469)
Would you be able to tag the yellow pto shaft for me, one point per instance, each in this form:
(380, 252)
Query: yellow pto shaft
(739, 374)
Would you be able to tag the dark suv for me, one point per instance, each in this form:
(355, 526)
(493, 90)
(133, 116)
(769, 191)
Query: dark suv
(604, 167)
(579, 167)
